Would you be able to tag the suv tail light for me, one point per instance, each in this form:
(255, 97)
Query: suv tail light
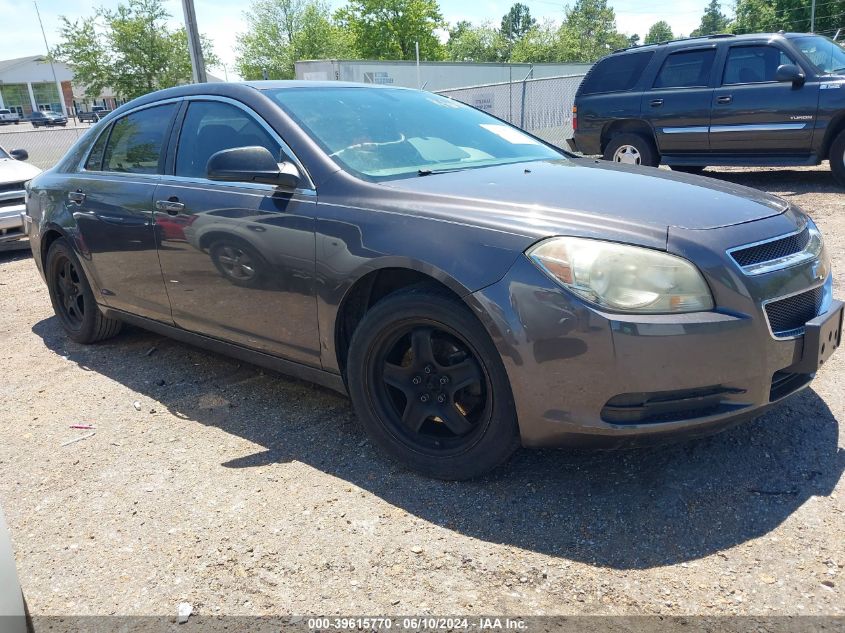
(574, 118)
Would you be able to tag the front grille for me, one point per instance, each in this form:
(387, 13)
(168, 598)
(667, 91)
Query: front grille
(775, 249)
(668, 406)
(787, 317)
(11, 186)
(11, 202)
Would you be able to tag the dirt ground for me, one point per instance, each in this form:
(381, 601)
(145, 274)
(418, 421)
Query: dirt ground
(243, 492)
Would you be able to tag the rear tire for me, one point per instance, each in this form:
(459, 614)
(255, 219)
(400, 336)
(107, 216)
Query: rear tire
(72, 298)
(632, 149)
(429, 386)
(837, 159)
(688, 169)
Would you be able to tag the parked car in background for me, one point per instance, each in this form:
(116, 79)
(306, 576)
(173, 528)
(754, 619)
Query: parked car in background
(14, 173)
(96, 113)
(771, 99)
(47, 118)
(8, 117)
(468, 285)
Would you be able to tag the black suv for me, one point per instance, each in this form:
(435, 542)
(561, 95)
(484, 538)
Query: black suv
(771, 99)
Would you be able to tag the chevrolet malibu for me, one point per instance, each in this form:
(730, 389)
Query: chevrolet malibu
(469, 286)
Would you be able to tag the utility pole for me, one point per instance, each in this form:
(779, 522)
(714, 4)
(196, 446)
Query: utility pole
(813, 17)
(194, 46)
(50, 59)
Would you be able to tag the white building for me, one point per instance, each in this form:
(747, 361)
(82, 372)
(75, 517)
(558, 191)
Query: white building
(432, 76)
(29, 83)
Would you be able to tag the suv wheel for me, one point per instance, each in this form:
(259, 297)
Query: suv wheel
(429, 386)
(837, 158)
(632, 149)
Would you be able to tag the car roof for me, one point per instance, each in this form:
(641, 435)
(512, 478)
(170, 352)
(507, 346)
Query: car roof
(693, 41)
(238, 89)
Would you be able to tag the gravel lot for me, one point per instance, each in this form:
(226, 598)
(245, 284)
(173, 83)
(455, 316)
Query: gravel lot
(243, 492)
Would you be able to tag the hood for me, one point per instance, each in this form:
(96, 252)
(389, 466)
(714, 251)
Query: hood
(12, 170)
(590, 197)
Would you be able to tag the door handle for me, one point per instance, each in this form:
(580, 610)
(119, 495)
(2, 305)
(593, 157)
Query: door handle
(656, 103)
(173, 207)
(724, 99)
(77, 197)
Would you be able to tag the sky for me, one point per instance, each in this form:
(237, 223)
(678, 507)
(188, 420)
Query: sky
(222, 21)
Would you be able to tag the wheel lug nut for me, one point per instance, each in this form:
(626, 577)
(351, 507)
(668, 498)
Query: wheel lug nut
(444, 380)
(424, 397)
(428, 369)
(416, 380)
(441, 398)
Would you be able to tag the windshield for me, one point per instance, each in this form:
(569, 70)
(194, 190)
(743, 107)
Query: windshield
(389, 133)
(825, 54)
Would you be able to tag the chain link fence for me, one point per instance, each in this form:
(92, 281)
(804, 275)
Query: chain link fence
(542, 107)
(44, 145)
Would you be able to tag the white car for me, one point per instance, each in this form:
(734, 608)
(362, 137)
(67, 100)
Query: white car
(8, 117)
(13, 174)
(13, 618)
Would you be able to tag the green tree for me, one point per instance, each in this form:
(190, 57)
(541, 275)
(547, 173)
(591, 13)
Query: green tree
(634, 40)
(659, 32)
(517, 22)
(713, 21)
(389, 29)
(282, 32)
(789, 15)
(589, 32)
(469, 43)
(538, 45)
(129, 49)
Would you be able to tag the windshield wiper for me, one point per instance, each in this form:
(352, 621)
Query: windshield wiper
(429, 172)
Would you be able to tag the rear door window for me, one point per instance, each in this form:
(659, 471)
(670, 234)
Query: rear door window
(616, 73)
(689, 69)
(753, 64)
(136, 141)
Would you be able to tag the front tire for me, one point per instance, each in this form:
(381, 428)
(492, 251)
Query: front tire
(72, 297)
(837, 159)
(429, 386)
(632, 149)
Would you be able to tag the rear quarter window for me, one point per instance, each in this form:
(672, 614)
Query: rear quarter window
(616, 73)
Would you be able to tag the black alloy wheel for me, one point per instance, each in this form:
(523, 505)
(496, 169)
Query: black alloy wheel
(72, 298)
(429, 386)
(429, 378)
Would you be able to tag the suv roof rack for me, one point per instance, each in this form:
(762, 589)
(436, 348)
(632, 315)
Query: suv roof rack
(680, 39)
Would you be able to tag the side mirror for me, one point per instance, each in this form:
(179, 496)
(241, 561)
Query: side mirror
(19, 154)
(791, 73)
(251, 164)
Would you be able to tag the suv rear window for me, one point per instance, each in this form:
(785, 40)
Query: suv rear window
(616, 73)
(689, 69)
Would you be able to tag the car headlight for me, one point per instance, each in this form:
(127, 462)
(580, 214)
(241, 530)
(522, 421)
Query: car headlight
(621, 277)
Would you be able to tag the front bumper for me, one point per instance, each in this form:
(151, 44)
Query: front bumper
(12, 226)
(584, 377)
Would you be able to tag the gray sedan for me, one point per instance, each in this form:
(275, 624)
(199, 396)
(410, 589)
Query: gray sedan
(469, 286)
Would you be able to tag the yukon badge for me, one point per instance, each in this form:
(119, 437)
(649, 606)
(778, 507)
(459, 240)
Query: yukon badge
(801, 117)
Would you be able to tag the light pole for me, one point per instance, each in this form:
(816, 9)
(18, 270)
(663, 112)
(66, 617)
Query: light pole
(194, 44)
(50, 59)
(813, 17)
